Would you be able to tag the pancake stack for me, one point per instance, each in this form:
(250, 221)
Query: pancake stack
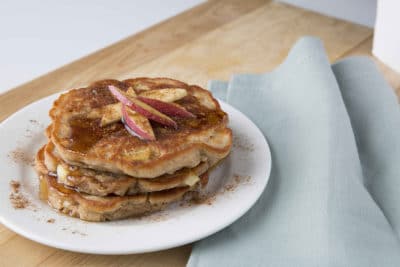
(118, 149)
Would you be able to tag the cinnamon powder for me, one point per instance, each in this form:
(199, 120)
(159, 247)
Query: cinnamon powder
(242, 143)
(19, 156)
(17, 199)
(237, 180)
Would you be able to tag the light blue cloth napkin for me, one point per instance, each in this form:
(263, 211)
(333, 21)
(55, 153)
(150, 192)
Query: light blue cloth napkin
(333, 198)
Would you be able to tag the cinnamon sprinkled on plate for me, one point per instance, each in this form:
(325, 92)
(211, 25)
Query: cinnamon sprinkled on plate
(209, 198)
(242, 143)
(15, 185)
(19, 156)
(18, 201)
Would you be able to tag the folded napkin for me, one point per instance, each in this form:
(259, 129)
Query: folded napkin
(333, 198)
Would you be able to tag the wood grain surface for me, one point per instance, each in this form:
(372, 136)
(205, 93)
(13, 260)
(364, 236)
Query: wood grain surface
(210, 41)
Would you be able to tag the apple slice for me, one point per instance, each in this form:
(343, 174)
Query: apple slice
(137, 124)
(191, 179)
(108, 114)
(142, 108)
(170, 109)
(111, 114)
(130, 92)
(166, 95)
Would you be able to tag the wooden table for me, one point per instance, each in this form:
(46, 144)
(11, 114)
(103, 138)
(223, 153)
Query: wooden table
(210, 41)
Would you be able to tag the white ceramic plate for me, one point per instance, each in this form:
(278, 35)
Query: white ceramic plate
(237, 184)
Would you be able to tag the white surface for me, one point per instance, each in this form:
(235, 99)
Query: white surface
(39, 36)
(179, 225)
(357, 11)
(386, 44)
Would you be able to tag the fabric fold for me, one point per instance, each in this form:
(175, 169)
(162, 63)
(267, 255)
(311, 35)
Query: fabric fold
(375, 116)
(315, 210)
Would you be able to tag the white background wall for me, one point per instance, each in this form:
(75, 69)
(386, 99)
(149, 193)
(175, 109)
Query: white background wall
(357, 11)
(37, 36)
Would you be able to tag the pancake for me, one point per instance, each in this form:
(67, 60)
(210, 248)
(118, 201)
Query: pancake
(99, 183)
(107, 161)
(81, 140)
(95, 208)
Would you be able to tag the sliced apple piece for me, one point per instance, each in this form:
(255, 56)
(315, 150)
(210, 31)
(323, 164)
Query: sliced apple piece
(111, 113)
(130, 92)
(170, 109)
(143, 153)
(166, 95)
(142, 86)
(137, 124)
(62, 173)
(191, 179)
(95, 113)
(141, 107)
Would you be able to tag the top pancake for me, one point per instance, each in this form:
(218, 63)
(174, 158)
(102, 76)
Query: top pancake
(81, 140)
